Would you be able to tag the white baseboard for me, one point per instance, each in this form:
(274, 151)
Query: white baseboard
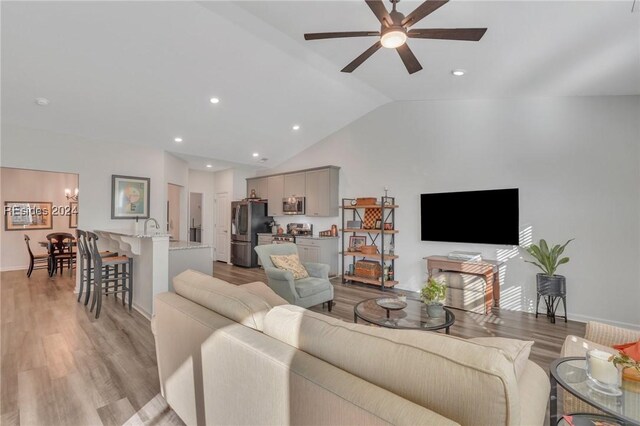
(14, 268)
(585, 318)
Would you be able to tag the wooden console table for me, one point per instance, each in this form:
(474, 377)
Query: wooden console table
(486, 268)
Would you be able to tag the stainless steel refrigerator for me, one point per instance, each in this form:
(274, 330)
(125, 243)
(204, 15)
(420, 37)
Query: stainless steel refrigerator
(247, 219)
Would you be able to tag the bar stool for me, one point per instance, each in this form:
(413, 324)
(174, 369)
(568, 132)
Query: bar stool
(121, 281)
(84, 264)
(36, 261)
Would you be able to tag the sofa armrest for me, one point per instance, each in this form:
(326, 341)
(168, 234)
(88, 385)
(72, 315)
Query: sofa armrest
(317, 270)
(282, 283)
(609, 335)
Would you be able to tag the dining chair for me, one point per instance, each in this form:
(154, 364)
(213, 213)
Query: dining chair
(120, 281)
(61, 251)
(36, 261)
(84, 265)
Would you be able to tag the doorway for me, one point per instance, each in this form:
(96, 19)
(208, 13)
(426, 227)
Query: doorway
(222, 223)
(174, 194)
(195, 217)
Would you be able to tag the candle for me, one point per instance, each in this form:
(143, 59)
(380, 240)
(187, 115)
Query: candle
(601, 369)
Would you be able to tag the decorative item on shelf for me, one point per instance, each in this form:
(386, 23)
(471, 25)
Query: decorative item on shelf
(548, 284)
(357, 241)
(385, 272)
(280, 230)
(334, 230)
(368, 269)
(354, 224)
(354, 202)
(604, 376)
(433, 294)
(378, 224)
(371, 215)
(388, 226)
(366, 201)
(253, 194)
(327, 233)
(368, 249)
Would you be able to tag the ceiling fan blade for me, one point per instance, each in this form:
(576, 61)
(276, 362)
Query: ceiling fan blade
(320, 36)
(468, 34)
(360, 59)
(409, 59)
(421, 11)
(381, 12)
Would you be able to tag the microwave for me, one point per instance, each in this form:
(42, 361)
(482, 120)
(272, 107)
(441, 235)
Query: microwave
(293, 205)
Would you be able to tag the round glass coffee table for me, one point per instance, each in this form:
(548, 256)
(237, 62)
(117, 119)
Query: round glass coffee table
(413, 317)
(571, 374)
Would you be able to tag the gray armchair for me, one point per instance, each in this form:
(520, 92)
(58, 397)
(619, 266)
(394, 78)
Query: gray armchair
(305, 292)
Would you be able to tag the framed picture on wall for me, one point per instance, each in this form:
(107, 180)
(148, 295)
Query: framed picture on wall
(27, 215)
(73, 214)
(130, 197)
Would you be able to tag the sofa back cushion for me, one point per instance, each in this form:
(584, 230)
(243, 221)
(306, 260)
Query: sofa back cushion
(226, 299)
(264, 292)
(461, 380)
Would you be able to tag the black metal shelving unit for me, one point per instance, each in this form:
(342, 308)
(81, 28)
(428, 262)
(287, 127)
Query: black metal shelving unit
(387, 206)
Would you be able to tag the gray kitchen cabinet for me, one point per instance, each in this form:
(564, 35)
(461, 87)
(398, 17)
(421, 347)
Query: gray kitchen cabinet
(319, 250)
(260, 185)
(295, 184)
(262, 240)
(322, 192)
(275, 194)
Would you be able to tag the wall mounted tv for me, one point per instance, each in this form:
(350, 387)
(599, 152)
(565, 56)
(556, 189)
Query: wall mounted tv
(485, 217)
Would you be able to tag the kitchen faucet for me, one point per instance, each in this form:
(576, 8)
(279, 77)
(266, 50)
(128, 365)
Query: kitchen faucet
(157, 225)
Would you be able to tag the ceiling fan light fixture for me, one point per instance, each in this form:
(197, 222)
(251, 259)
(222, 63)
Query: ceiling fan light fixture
(393, 39)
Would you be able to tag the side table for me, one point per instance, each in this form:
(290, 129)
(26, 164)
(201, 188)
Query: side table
(571, 375)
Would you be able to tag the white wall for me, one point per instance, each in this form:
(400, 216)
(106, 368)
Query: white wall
(30, 185)
(575, 160)
(176, 172)
(203, 182)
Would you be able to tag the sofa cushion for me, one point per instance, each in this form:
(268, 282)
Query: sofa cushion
(264, 292)
(433, 370)
(309, 286)
(517, 351)
(290, 262)
(226, 299)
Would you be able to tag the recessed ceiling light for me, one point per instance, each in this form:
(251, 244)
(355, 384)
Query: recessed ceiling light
(458, 73)
(178, 140)
(42, 101)
(255, 154)
(214, 100)
(296, 127)
(209, 165)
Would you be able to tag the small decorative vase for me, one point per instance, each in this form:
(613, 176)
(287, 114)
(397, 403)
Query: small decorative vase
(434, 310)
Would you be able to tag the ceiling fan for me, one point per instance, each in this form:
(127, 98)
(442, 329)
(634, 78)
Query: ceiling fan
(395, 31)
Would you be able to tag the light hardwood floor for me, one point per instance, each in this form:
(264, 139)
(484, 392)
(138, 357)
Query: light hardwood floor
(61, 366)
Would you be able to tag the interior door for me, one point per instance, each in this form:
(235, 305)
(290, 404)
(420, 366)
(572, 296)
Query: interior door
(222, 223)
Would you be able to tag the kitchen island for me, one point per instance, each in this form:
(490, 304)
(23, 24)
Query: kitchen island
(150, 263)
(185, 255)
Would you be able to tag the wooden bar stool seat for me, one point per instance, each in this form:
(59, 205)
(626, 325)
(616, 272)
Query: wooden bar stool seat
(111, 275)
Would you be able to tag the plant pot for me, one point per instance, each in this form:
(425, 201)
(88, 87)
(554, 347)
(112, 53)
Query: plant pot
(551, 285)
(434, 310)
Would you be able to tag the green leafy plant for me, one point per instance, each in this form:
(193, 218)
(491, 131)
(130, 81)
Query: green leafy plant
(623, 361)
(433, 291)
(548, 260)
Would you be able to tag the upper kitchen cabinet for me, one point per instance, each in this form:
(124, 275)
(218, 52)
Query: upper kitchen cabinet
(322, 192)
(275, 191)
(295, 184)
(260, 185)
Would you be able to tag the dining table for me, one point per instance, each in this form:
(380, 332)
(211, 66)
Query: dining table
(56, 249)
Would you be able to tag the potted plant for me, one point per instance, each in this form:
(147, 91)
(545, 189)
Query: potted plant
(548, 260)
(433, 294)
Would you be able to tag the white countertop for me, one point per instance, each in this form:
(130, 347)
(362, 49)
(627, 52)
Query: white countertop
(187, 245)
(129, 233)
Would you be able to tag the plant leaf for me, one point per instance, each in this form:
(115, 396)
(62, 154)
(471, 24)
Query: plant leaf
(563, 261)
(544, 247)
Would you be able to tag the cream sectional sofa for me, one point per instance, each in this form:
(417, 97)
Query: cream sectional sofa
(240, 355)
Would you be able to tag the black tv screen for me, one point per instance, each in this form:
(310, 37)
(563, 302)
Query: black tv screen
(485, 217)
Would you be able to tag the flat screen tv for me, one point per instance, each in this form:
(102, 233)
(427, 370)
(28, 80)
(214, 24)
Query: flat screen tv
(484, 217)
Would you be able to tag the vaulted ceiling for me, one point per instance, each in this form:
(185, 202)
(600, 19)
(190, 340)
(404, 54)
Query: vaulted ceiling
(143, 72)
